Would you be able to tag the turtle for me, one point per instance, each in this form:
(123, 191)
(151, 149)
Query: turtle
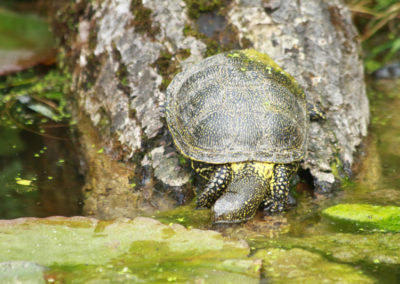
(243, 123)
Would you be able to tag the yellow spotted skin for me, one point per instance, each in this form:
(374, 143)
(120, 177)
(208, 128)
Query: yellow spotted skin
(243, 121)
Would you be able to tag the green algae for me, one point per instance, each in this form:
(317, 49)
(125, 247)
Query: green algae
(167, 65)
(21, 272)
(10, 188)
(186, 215)
(366, 249)
(366, 216)
(197, 7)
(142, 19)
(10, 144)
(252, 56)
(81, 250)
(32, 98)
(301, 266)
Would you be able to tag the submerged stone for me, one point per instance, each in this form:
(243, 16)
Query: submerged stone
(386, 218)
(186, 215)
(369, 249)
(127, 251)
(21, 272)
(301, 266)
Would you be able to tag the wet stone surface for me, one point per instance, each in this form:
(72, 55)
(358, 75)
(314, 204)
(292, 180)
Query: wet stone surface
(129, 251)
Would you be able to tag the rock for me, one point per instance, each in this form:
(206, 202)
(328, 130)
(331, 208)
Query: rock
(389, 71)
(369, 249)
(127, 251)
(301, 266)
(20, 272)
(365, 216)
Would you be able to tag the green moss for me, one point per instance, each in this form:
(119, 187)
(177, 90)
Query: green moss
(142, 19)
(186, 215)
(337, 168)
(167, 65)
(223, 41)
(301, 266)
(252, 56)
(83, 250)
(69, 15)
(358, 249)
(365, 216)
(21, 272)
(33, 97)
(105, 121)
(122, 71)
(339, 172)
(188, 30)
(183, 161)
(196, 7)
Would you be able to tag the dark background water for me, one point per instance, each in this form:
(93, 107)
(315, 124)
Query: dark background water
(52, 167)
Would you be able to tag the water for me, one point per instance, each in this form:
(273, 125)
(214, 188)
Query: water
(38, 175)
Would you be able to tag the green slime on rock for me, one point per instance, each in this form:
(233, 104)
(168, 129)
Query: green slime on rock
(81, 250)
(385, 218)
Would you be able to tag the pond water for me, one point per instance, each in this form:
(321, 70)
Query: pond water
(38, 160)
(38, 174)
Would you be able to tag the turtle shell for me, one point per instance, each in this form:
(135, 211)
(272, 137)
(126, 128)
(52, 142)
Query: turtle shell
(237, 106)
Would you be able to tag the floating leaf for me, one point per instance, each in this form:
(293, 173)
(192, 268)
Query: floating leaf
(43, 110)
(25, 182)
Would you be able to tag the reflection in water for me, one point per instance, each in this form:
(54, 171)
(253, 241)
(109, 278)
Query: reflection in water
(38, 175)
(378, 181)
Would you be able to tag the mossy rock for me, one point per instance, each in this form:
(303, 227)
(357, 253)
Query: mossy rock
(301, 266)
(123, 251)
(370, 249)
(21, 272)
(365, 216)
(186, 215)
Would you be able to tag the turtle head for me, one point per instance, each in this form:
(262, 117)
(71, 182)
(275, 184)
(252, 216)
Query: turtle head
(241, 199)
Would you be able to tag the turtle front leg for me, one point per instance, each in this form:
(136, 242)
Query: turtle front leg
(215, 187)
(315, 112)
(277, 199)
